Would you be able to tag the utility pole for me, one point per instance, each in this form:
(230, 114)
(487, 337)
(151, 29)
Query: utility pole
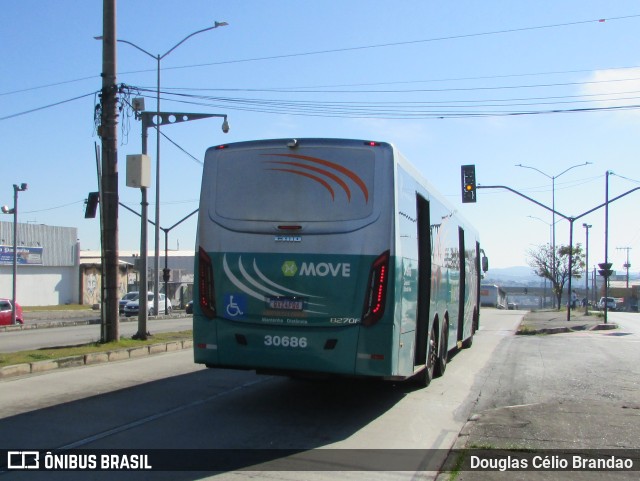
(626, 265)
(109, 134)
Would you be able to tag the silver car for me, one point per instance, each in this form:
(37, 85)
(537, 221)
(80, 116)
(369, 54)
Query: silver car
(610, 301)
(128, 297)
(132, 307)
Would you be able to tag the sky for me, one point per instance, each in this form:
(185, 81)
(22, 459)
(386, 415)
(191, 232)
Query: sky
(549, 84)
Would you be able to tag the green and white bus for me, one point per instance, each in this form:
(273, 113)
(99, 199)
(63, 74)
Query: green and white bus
(331, 257)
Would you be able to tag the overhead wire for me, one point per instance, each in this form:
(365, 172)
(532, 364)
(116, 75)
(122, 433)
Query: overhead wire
(347, 49)
(413, 42)
(389, 110)
(365, 110)
(55, 104)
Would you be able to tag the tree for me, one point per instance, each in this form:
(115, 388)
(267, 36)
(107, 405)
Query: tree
(542, 258)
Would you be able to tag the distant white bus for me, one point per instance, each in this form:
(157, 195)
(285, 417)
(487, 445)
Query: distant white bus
(493, 296)
(333, 257)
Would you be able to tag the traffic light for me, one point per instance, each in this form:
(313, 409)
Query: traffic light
(91, 205)
(468, 183)
(605, 269)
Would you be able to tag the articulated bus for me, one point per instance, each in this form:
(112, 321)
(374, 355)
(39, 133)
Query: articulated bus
(330, 257)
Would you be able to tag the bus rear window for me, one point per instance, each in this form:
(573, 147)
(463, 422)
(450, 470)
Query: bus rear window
(306, 185)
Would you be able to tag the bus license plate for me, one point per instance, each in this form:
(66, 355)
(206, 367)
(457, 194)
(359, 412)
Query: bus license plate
(286, 303)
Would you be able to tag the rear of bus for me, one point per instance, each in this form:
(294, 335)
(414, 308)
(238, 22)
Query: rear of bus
(294, 264)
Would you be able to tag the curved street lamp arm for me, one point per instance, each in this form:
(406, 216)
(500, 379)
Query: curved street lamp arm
(573, 167)
(216, 25)
(139, 48)
(533, 168)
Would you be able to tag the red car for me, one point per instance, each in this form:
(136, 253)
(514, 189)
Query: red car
(5, 313)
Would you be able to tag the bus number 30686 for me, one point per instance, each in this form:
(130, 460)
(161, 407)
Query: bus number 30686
(285, 341)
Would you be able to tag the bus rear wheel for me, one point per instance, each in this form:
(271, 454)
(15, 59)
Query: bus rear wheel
(443, 351)
(467, 343)
(424, 377)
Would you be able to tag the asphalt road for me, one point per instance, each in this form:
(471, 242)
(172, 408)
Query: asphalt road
(591, 365)
(12, 341)
(577, 390)
(165, 401)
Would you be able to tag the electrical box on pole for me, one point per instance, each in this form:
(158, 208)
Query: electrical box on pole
(138, 171)
(468, 177)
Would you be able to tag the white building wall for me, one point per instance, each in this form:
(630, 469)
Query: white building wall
(56, 280)
(41, 286)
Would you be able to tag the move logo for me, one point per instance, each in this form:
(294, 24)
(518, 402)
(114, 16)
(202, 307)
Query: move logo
(289, 268)
(317, 269)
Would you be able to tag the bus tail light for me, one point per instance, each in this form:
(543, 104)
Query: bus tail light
(207, 293)
(374, 303)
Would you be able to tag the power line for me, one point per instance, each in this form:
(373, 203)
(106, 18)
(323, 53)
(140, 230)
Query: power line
(356, 48)
(468, 103)
(195, 159)
(53, 208)
(46, 106)
(411, 42)
(323, 109)
(410, 91)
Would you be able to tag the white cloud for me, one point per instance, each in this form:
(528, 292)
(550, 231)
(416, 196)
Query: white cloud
(614, 88)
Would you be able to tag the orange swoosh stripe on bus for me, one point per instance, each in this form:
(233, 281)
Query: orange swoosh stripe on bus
(311, 176)
(332, 176)
(352, 175)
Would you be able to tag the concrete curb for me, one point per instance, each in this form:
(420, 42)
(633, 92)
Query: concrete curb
(38, 367)
(48, 324)
(559, 330)
(459, 445)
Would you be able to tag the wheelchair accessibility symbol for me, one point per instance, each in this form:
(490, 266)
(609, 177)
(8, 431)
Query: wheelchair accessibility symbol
(235, 306)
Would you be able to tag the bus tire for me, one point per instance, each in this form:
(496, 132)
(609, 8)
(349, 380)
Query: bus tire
(443, 351)
(424, 377)
(467, 343)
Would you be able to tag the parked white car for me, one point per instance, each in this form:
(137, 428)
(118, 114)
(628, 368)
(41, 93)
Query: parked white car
(132, 307)
(611, 303)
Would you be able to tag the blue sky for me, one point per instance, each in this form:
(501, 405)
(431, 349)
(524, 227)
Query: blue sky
(406, 66)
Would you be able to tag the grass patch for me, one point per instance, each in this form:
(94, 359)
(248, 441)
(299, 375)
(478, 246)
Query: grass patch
(50, 353)
(457, 465)
(64, 307)
(527, 331)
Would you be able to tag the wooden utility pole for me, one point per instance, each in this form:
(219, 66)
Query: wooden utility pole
(109, 188)
(627, 266)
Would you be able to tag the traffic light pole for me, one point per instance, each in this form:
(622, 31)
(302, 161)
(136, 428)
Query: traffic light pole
(571, 221)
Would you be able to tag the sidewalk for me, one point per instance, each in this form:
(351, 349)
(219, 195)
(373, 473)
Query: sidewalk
(549, 429)
(68, 318)
(554, 322)
(50, 319)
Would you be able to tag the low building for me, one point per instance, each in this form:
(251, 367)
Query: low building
(179, 287)
(48, 264)
(91, 278)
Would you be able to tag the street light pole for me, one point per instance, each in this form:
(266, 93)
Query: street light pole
(166, 270)
(606, 243)
(158, 59)
(154, 119)
(16, 188)
(553, 205)
(586, 277)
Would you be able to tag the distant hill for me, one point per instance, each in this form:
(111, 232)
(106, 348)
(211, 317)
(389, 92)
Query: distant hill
(524, 276)
(518, 275)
